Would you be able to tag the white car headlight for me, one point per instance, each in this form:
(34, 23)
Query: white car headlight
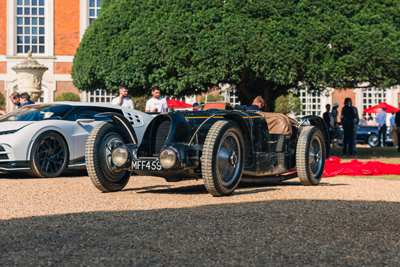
(120, 156)
(168, 158)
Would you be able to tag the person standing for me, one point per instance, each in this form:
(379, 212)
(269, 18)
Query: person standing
(156, 103)
(356, 122)
(25, 100)
(15, 99)
(329, 121)
(348, 118)
(381, 120)
(337, 133)
(393, 129)
(397, 121)
(122, 99)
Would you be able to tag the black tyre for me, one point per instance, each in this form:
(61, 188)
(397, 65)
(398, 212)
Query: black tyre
(49, 155)
(310, 156)
(373, 140)
(101, 141)
(223, 158)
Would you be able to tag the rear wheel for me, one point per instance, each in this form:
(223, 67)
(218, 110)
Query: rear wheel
(103, 173)
(310, 156)
(223, 158)
(49, 155)
(373, 140)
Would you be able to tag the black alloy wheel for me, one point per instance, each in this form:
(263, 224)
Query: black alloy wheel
(49, 155)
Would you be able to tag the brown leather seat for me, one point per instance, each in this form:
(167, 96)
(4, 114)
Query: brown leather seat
(278, 123)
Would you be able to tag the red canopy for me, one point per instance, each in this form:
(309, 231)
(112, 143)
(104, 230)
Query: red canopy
(378, 108)
(176, 104)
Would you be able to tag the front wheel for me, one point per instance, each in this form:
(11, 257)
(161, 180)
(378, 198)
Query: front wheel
(310, 156)
(49, 155)
(103, 173)
(223, 158)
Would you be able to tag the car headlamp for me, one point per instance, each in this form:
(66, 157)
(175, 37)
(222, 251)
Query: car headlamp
(120, 156)
(168, 158)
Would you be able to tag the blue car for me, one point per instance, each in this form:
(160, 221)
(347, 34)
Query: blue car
(367, 134)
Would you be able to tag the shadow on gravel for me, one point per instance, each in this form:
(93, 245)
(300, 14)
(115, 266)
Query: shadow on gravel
(270, 233)
(255, 187)
(200, 190)
(22, 175)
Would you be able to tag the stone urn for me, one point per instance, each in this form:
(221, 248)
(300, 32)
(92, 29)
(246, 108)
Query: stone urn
(29, 77)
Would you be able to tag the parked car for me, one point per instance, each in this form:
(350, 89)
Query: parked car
(219, 146)
(367, 134)
(45, 139)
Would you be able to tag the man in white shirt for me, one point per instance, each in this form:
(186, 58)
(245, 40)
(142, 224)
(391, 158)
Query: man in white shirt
(156, 103)
(381, 120)
(122, 99)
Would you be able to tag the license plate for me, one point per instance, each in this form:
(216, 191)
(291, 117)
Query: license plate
(146, 165)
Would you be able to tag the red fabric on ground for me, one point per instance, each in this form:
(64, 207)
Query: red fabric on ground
(333, 167)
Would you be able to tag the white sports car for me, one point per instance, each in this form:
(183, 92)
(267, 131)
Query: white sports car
(46, 139)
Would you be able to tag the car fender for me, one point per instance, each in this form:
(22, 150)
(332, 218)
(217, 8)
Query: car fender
(320, 124)
(123, 122)
(64, 130)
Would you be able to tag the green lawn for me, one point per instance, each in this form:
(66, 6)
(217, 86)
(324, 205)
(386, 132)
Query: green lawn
(383, 154)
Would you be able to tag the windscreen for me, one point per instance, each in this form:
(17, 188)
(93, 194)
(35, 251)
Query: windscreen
(37, 113)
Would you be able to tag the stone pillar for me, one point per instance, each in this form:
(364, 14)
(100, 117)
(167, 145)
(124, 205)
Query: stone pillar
(29, 77)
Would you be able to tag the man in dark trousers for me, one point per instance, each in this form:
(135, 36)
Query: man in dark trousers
(329, 121)
(397, 121)
(356, 122)
(348, 118)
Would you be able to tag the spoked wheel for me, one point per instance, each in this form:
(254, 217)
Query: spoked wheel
(49, 155)
(310, 156)
(373, 140)
(101, 141)
(223, 158)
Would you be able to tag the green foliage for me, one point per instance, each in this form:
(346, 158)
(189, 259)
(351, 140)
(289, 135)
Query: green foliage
(289, 103)
(212, 98)
(140, 102)
(264, 47)
(2, 101)
(68, 97)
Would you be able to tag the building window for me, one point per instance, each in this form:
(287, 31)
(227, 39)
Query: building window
(100, 96)
(30, 26)
(307, 97)
(94, 9)
(374, 97)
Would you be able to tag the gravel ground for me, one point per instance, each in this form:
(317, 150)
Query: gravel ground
(66, 221)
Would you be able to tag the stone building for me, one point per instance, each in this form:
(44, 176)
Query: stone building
(52, 29)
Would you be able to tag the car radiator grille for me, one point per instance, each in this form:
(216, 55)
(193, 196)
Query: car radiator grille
(161, 135)
(3, 157)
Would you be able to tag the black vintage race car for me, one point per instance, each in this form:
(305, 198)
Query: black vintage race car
(216, 145)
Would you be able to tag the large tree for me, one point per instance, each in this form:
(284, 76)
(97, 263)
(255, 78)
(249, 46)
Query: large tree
(264, 47)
